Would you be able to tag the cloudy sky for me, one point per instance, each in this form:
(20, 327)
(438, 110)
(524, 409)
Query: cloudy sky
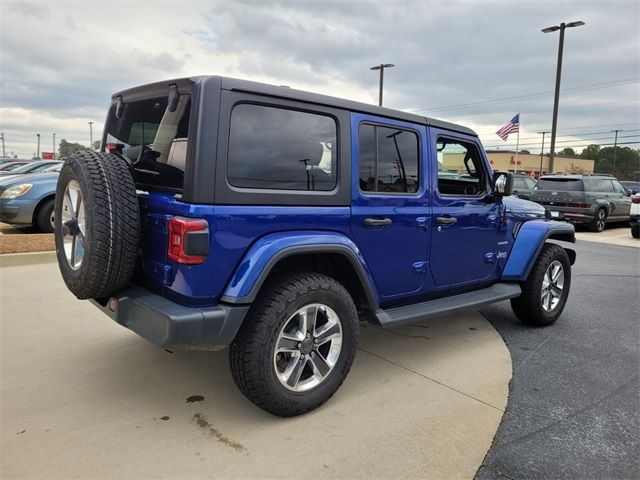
(472, 62)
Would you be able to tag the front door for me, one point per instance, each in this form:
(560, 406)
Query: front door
(467, 238)
(389, 213)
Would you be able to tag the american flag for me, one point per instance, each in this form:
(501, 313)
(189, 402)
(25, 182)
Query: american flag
(511, 127)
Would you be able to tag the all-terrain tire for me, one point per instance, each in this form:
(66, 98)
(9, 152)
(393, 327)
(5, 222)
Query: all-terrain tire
(43, 219)
(529, 307)
(635, 230)
(251, 355)
(109, 226)
(599, 221)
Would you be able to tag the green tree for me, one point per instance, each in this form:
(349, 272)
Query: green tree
(590, 152)
(568, 152)
(69, 148)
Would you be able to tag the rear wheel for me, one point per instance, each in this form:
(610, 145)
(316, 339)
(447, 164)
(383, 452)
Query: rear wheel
(599, 221)
(545, 292)
(96, 224)
(297, 344)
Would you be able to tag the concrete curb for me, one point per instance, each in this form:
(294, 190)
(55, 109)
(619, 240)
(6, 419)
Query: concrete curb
(16, 259)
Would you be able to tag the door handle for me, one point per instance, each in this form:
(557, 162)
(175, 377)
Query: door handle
(446, 220)
(377, 222)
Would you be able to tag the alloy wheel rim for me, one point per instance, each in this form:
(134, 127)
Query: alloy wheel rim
(52, 221)
(552, 286)
(73, 225)
(600, 222)
(308, 347)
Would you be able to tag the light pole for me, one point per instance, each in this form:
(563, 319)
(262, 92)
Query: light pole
(381, 67)
(615, 151)
(541, 152)
(2, 136)
(54, 146)
(562, 28)
(38, 154)
(91, 136)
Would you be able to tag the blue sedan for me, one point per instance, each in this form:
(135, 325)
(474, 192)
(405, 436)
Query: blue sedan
(28, 199)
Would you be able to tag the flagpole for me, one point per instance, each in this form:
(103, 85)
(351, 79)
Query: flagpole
(517, 144)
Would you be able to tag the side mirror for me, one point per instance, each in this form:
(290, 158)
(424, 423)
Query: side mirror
(502, 185)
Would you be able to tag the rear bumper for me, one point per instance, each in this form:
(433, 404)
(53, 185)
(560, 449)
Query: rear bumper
(171, 326)
(570, 216)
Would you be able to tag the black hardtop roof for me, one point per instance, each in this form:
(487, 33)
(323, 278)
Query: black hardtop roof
(234, 84)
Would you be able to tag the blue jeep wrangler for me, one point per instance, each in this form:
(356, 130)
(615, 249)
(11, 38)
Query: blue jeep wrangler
(223, 212)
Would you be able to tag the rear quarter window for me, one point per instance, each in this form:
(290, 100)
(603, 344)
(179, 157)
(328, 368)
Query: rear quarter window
(277, 148)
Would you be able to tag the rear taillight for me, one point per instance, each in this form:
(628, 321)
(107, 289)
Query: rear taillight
(188, 240)
(635, 199)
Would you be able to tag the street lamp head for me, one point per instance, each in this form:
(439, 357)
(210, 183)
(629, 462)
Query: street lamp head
(382, 65)
(551, 29)
(579, 23)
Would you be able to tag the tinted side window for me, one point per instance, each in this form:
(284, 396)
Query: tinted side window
(617, 186)
(277, 148)
(518, 184)
(598, 185)
(388, 159)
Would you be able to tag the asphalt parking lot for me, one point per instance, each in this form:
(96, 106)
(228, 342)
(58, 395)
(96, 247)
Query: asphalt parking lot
(574, 404)
(83, 397)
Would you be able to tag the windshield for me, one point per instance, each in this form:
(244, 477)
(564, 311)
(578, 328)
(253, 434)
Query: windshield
(563, 184)
(31, 167)
(153, 138)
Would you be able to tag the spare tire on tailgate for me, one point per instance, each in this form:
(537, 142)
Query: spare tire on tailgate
(96, 224)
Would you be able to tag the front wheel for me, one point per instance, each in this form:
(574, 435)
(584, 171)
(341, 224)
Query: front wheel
(545, 292)
(296, 345)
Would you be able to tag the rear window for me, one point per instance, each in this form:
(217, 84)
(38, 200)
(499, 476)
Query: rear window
(155, 138)
(562, 184)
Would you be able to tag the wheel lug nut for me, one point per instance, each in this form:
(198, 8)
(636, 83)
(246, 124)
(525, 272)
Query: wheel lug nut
(312, 354)
(315, 340)
(299, 345)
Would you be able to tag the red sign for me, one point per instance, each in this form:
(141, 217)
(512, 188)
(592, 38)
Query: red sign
(48, 155)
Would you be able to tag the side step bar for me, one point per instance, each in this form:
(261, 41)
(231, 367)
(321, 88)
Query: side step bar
(443, 306)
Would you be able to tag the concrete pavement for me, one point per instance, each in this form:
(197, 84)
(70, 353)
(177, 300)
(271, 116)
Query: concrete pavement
(84, 397)
(619, 236)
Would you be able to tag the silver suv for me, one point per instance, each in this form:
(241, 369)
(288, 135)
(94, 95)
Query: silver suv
(594, 200)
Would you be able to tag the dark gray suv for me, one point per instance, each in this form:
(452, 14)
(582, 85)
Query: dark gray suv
(594, 200)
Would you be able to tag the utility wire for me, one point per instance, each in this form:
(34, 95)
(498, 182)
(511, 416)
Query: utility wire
(584, 88)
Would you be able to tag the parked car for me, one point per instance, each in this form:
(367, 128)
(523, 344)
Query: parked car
(28, 200)
(592, 200)
(635, 216)
(12, 165)
(227, 212)
(523, 185)
(631, 186)
(32, 167)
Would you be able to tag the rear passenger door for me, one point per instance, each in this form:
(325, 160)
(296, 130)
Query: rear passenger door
(389, 212)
